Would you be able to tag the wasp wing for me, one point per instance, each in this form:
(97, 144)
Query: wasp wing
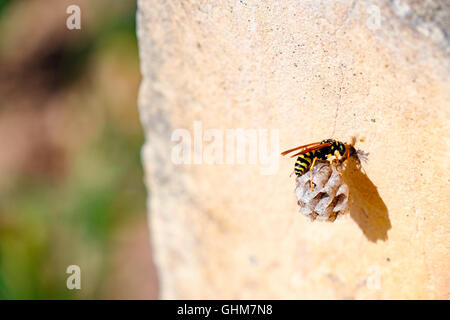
(301, 147)
(312, 148)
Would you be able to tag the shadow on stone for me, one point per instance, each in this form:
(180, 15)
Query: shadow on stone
(366, 206)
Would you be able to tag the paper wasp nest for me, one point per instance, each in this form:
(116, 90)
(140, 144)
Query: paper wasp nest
(330, 196)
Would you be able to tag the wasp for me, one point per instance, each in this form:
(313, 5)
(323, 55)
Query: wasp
(326, 150)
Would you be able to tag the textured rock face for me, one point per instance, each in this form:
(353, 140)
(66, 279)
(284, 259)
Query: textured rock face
(286, 74)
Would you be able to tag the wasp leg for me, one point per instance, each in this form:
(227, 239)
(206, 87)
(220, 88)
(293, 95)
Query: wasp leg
(346, 155)
(334, 168)
(331, 160)
(311, 170)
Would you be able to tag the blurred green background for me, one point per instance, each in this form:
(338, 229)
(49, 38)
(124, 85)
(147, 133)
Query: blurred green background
(71, 181)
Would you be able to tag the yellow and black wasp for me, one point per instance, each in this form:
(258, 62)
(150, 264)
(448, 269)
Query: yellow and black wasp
(327, 150)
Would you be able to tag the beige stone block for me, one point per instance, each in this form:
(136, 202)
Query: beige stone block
(303, 71)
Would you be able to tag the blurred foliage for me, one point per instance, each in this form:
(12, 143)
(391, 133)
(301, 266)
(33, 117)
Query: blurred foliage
(3, 4)
(49, 221)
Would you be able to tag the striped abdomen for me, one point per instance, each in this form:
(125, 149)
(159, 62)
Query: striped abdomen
(304, 162)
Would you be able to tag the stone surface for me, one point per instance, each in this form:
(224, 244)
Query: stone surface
(304, 71)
